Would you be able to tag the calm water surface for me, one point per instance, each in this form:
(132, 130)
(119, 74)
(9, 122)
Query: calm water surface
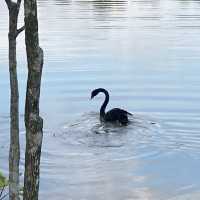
(147, 54)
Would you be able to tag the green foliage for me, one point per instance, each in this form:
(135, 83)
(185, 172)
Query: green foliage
(3, 181)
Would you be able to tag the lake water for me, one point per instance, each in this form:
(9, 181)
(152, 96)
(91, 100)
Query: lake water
(147, 54)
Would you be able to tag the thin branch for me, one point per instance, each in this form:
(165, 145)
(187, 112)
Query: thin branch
(13, 5)
(8, 2)
(4, 196)
(2, 191)
(20, 30)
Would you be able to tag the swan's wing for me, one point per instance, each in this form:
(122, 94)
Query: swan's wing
(120, 111)
(117, 114)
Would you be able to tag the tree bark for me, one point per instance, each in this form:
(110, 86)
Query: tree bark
(14, 152)
(33, 122)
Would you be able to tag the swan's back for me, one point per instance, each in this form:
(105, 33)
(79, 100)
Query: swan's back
(117, 115)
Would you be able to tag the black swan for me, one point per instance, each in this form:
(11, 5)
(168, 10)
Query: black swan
(114, 115)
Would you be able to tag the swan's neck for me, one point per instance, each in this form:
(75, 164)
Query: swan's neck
(103, 107)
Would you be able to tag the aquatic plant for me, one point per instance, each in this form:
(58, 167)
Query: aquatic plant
(3, 185)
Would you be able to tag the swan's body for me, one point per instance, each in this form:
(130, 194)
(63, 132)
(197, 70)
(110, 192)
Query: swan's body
(114, 115)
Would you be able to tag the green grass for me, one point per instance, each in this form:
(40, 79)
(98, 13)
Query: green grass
(3, 181)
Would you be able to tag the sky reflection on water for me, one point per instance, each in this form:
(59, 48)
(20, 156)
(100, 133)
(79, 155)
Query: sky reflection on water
(146, 53)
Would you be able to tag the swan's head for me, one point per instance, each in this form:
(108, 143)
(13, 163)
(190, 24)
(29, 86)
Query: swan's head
(94, 93)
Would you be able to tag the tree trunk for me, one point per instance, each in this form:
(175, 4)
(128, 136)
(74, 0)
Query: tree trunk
(33, 122)
(14, 152)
